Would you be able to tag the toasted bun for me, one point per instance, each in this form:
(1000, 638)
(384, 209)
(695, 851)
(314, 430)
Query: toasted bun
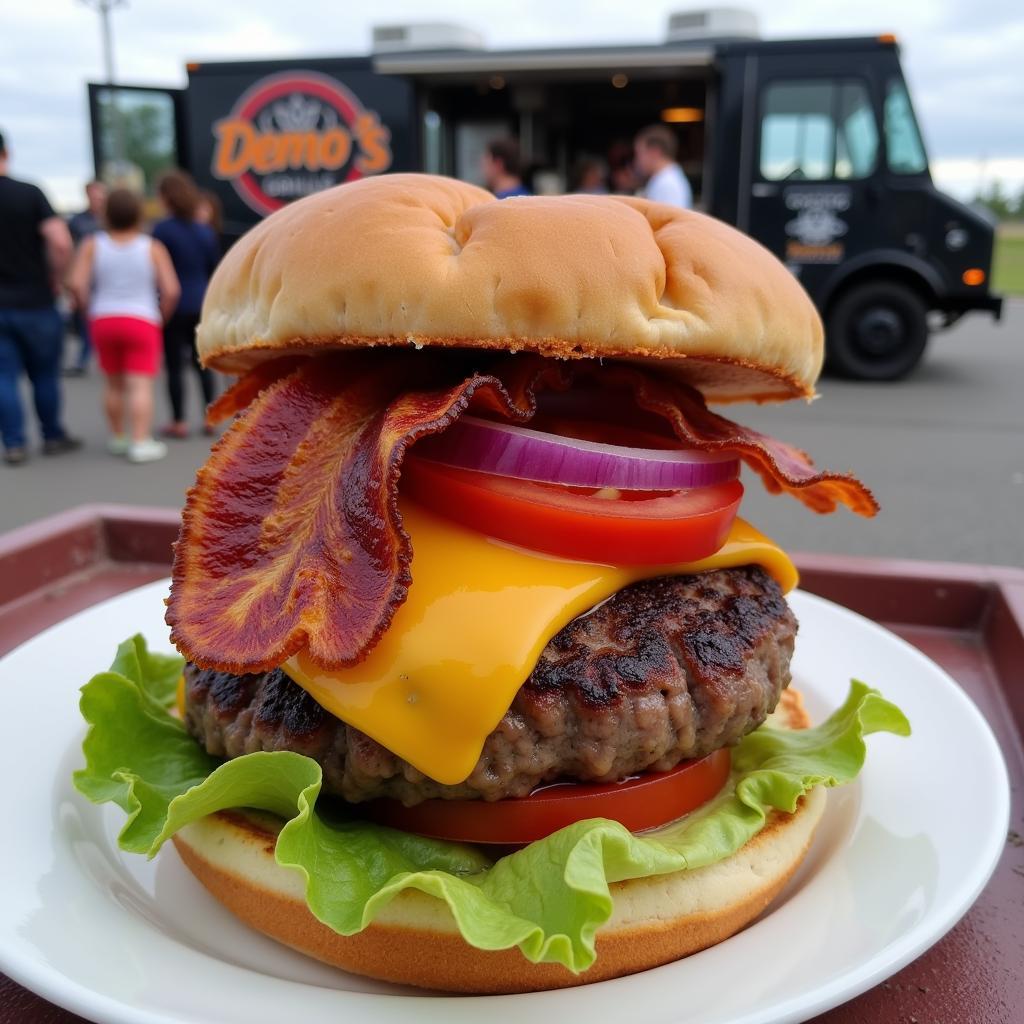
(414, 940)
(415, 259)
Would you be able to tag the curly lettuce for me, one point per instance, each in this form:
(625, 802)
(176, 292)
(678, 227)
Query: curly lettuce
(548, 899)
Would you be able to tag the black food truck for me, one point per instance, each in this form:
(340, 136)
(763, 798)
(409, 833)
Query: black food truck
(810, 146)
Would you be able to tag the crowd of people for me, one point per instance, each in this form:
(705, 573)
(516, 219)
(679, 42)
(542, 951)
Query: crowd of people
(648, 167)
(134, 296)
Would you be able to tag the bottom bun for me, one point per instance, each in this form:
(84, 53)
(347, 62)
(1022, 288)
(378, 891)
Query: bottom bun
(414, 940)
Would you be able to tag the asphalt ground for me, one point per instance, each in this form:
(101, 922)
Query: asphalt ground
(943, 452)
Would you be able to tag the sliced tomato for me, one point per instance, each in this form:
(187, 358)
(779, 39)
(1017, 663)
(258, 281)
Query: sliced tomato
(628, 528)
(645, 802)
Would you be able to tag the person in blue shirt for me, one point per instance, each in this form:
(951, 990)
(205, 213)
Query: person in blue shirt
(194, 252)
(84, 225)
(502, 168)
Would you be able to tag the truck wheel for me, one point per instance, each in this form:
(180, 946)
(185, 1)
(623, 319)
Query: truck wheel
(877, 331)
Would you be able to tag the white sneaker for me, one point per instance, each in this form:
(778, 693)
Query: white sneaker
(118, 444)
(146, 451)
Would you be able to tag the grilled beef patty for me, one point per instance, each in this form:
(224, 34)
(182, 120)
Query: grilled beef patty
(666, 669)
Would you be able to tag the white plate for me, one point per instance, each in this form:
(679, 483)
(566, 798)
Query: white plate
(118, 939)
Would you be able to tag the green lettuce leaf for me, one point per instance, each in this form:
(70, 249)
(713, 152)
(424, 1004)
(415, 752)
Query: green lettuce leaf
(548, 899)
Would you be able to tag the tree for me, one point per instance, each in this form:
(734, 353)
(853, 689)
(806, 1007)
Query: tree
(1000, 202)
(141, 128)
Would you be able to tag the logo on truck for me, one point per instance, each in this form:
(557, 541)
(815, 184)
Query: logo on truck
(817, 227)
(292, 134)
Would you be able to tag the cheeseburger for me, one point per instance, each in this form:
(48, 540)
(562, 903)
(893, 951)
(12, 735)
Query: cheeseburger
(483, 680)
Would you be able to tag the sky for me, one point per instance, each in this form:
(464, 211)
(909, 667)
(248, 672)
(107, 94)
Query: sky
(962, 59)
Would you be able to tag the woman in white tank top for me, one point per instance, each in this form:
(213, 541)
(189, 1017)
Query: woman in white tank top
(127, 282)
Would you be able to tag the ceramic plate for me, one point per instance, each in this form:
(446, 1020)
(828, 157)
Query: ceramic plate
(118, 939)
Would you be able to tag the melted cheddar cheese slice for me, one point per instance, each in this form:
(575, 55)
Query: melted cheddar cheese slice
(478, 615)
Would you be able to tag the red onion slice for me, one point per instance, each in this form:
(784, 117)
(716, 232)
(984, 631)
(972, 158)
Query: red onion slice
(526, 454)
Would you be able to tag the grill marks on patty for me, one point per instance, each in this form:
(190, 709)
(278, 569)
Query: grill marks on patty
(665, 670)
(707, 624)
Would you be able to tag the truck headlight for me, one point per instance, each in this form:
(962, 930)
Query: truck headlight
(956, 238)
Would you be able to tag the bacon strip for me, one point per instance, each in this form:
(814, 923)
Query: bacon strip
(782, 467)
(247, 387)
(291, 536)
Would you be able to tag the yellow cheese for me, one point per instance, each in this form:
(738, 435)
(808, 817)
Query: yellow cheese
(478, 615)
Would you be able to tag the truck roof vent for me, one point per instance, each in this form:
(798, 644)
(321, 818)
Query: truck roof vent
(425, 35)
(713, 22)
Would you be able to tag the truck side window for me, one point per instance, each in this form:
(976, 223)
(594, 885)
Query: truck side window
(904, 149)
(797, 131)
(816, 130)
(857, 133)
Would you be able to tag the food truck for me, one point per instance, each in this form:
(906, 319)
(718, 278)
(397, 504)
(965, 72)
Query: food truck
(811, 146)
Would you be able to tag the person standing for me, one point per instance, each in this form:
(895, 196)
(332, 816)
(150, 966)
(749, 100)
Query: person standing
(502, 169)
(35, 248)
(589, 177)
(210, 210)
(655, 151)
(82, 225)
(127, 282)
(194, 252)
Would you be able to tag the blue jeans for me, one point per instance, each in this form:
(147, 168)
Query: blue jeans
(31, 341)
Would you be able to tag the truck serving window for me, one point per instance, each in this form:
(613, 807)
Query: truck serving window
(904, 149)
(817, 130)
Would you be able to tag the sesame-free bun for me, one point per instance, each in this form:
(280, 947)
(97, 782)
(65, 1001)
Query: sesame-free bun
(414, 940)
(413, 259)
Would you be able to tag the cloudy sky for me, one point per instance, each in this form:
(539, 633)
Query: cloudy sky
(963, 59)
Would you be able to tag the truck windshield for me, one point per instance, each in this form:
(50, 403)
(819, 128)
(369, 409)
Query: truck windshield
(817, 129)
(904, 149)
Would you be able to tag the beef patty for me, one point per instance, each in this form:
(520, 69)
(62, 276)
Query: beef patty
(664, 670)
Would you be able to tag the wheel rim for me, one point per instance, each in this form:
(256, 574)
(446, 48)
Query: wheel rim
(880, 332)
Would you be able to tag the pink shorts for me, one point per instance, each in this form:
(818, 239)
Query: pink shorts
(127, 344)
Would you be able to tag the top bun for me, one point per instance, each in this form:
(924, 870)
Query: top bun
(423, 260)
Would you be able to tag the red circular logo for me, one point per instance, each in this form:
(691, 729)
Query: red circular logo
(295, 133)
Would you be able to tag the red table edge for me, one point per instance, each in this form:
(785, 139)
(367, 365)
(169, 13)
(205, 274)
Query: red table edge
(137, 533)
(43, 555)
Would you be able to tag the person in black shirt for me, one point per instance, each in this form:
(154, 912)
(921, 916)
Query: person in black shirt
(35, 247)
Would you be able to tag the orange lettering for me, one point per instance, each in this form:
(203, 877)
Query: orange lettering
(335, 148)
(234, 139)
(266, 153)
(373, 141)
(296, 150)
(240, 148)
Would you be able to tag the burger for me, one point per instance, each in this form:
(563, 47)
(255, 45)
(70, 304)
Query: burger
(483, 683)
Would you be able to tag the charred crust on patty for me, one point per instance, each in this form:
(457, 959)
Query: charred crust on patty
(284, 703)
(708, 624)
(667, 669)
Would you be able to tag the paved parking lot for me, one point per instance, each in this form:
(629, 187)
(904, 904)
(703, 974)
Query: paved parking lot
(943, 451)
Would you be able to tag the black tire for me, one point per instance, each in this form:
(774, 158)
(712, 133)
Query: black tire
(876, 331)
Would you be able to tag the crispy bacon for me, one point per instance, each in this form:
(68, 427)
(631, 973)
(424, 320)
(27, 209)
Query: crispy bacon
(292, 537)
(247, 387)
(780, 466)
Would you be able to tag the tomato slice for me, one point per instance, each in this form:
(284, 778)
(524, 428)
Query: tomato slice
(645, 802)
(630, 528)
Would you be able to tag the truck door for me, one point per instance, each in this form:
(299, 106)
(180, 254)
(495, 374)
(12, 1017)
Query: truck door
(815, 157)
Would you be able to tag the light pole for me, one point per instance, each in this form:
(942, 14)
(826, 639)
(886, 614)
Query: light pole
(103, 8)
